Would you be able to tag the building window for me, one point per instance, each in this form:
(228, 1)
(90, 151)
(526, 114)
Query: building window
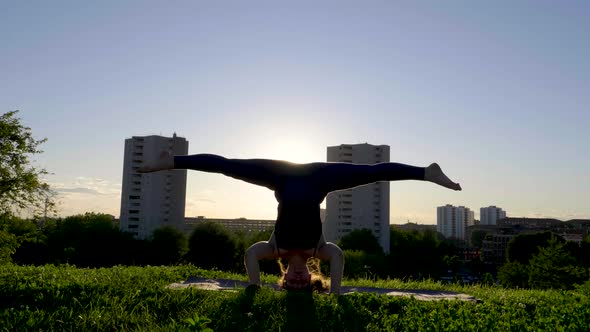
(133, 197)
(133, 211)
(133, 219)
(133, 226)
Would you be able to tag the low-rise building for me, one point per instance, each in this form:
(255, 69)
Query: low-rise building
(235, 225)
(494, 248)
(530, 223)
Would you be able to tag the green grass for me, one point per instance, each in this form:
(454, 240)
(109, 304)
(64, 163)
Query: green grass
(66, 298)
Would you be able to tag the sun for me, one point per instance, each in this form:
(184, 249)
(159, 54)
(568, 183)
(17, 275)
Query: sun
(294, 149)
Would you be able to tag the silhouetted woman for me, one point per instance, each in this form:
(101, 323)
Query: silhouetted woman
(299, 190)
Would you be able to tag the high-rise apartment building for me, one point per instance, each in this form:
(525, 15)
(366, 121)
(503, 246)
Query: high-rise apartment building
(364, 207)
(152, 200)
(452, 221)
(490, 215)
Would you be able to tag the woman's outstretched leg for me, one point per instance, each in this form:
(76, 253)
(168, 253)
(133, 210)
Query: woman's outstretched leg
(262, 172)
(339, 176)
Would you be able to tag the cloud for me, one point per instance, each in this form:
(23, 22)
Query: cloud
(88, 191)
(201, 197)
(87, 186)
(194, 201)
(80, 195)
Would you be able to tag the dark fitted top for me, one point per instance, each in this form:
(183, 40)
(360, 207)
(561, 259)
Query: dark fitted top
(299, 188)
(298, 225)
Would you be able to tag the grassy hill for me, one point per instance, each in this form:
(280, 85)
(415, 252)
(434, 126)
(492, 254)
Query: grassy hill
(67, 298)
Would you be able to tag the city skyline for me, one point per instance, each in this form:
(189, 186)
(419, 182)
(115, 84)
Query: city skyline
(496, 93)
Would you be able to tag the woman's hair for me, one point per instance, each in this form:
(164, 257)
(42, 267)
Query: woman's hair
(318, 283)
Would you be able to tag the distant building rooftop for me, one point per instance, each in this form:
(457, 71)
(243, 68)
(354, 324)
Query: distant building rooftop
(409, 226)
(236, 225)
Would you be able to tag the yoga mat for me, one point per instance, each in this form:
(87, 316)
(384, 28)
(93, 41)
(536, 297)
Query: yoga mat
(235, 285)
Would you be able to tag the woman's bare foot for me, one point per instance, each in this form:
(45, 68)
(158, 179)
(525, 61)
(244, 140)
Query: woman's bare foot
(435, 174)
(164, 161)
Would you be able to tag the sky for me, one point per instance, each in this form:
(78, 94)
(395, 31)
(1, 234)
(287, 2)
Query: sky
(496, 92)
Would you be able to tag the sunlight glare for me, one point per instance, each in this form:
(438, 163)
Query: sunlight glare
(294, 149)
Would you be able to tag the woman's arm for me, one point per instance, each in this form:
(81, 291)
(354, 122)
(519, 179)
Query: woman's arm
(256, 252)
(333, 253)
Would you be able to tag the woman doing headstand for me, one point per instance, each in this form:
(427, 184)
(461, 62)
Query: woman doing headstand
(299, 190)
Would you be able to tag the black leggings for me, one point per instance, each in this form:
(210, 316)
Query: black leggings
(299, 188)
(327, 176)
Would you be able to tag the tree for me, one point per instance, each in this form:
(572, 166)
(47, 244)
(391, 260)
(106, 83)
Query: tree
(212, 245)
(168, 246)
(415, 254)
(361, 239)
(585, 251)
(513, 274)
(487, 279)
(28, 239)
(21, 185)
(355, 266)
(524, 246)
(24, 230)
(477, 237)
(87, 240)
(555, 267)
(98, 245)
(8, 245)
(452, 263)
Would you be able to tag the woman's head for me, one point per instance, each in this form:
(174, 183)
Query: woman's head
(302, 274)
